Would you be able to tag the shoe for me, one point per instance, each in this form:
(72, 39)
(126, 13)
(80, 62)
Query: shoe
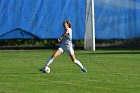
(42, 70)
(84, 70)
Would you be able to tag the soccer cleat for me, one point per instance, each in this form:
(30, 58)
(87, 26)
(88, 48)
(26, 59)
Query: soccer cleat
(84, 69)
(42, 70)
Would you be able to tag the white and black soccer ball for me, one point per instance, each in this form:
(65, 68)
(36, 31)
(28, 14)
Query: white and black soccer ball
(47, 69)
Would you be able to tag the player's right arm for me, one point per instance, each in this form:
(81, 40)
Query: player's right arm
(65, 33)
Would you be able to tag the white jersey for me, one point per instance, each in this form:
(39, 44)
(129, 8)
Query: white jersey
(67, 39)
(67, 42)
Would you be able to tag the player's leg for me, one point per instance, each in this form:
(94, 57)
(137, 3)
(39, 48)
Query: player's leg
(73, 58)
(56, 53)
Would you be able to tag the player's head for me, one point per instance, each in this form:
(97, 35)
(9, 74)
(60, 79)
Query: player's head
(67, 24)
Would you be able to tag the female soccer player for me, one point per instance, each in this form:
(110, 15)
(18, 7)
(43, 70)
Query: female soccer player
(66, 45)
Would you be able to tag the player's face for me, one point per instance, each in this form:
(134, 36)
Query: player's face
(66, 25)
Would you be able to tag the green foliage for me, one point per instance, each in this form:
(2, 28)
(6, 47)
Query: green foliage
(32, 42)
(128, 41)
(53, 42)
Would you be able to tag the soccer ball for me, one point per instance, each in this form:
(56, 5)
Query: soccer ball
(47, 69)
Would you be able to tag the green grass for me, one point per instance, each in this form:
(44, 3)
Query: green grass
(109, 71)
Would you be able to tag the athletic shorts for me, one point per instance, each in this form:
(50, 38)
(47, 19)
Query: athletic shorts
(68, 49)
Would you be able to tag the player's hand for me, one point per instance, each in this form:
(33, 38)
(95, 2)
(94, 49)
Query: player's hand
(60, 39)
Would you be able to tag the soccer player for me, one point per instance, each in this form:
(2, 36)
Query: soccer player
(66, 45)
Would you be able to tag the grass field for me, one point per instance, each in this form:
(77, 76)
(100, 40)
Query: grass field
(109, 71)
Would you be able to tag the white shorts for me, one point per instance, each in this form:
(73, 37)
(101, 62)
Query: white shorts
(68, 49)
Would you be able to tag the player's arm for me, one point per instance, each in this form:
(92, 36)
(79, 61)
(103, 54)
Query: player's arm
(66, 32)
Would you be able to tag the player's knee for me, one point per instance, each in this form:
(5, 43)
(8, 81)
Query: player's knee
(73, 59)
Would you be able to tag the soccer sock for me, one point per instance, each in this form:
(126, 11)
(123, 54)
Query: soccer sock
(78, 63)
(49, 61)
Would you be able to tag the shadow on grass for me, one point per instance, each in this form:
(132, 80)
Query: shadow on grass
(111, 53)
(118, 53)
(118, 48)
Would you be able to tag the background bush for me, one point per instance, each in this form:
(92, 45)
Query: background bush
(53, 42)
